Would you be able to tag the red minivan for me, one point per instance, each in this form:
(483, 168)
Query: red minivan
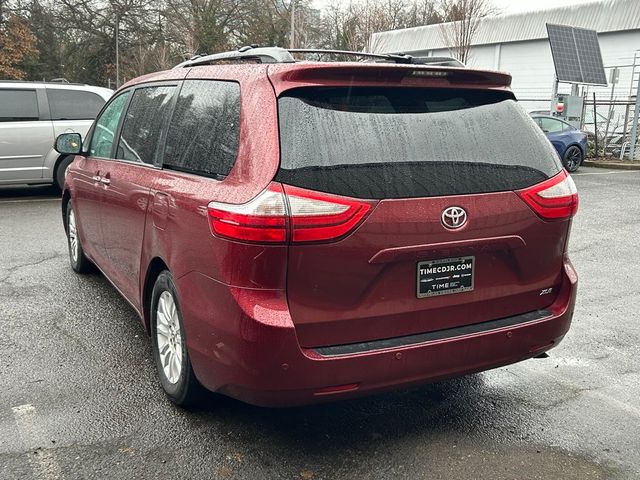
(293, 232)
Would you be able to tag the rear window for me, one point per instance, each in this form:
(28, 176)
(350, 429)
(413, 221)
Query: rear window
(74, 104)
(405, 142)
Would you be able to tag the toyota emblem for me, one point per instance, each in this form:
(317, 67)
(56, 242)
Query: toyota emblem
(454, 217)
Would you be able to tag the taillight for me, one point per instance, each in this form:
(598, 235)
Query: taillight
(553, 199)
(319, 217)
(262, 220)
(293, 214)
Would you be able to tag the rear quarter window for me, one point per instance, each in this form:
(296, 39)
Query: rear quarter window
(73, 104)
(18, 105)
(204, 133)
(404, 142)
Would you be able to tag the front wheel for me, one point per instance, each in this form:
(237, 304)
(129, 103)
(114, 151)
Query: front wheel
(572, 158)
(169, 344)
(79, 262)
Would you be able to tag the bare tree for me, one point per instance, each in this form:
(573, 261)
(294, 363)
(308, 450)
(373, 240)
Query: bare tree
(76, 39)
(351, 26)
(463, 18)
(423, 12)
(264, 22)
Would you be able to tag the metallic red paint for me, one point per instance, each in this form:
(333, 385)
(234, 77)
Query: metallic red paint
(338, 295)
(253, 313)
(240, 346)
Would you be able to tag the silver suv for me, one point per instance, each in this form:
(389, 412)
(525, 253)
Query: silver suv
(32, 115)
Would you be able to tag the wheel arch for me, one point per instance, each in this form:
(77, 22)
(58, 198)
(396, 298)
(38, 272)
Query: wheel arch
(57, 164)
(156, 266)
(575, 144)
(61, 157)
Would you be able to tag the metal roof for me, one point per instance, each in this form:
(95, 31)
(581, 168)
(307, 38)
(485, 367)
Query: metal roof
(601, 16)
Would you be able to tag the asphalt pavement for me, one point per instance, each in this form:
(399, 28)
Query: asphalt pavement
(79, 395)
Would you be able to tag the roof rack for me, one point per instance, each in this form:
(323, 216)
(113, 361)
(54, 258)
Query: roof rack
(281, 55)
(249, 53)
(47, 82)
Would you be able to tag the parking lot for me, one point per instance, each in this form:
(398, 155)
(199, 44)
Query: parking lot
(80, 396)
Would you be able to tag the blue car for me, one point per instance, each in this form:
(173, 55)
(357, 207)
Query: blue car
(570, 142)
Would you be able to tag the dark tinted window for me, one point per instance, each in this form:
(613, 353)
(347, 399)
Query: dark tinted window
(398, 143)
(73, 104)
(143, 124)
(18, 105)
(205, 128)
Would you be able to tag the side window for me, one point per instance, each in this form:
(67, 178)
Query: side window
(205, 128)
(73, 104)
(551, 125)
(18, 105)
(106, 126)
(143, 124)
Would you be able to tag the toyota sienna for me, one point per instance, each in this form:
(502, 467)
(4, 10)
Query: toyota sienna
(292, 232)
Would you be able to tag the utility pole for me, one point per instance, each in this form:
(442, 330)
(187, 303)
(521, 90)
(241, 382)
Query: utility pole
(292, 35)
(613, 79)
(634, 126)
(554, 94)
(117, 51)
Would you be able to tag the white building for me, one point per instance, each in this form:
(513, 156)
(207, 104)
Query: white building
(518, 44)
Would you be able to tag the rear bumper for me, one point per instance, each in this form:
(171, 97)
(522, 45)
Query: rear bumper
(253, 354)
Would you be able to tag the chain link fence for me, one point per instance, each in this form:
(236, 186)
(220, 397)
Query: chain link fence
(607, 123)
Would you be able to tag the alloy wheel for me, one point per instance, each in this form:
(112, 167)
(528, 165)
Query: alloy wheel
(73, 236)
(169, 337)
(573, 158)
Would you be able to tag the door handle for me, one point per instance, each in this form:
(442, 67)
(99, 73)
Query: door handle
(96, 178)
(105, 181)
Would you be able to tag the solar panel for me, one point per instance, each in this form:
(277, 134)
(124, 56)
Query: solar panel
(590, 56)
(576, 55)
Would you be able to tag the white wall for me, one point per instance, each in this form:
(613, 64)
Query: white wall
(531, 65)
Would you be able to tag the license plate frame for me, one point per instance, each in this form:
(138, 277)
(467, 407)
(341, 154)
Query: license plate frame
(445, 276)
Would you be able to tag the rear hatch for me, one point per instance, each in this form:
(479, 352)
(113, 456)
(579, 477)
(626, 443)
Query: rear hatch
(440, 232)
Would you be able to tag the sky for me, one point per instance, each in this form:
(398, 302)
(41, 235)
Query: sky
(513, 6)
(505, 6)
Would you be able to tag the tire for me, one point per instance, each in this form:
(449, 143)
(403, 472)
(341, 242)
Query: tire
(61, 171)
(169, 344)
(79, 262)
(572, 159)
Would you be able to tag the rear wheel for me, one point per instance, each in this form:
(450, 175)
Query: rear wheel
(169, 345)
(572, 158)
(61, 171)
(79, 262)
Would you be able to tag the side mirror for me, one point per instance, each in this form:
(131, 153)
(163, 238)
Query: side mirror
(69, 143)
